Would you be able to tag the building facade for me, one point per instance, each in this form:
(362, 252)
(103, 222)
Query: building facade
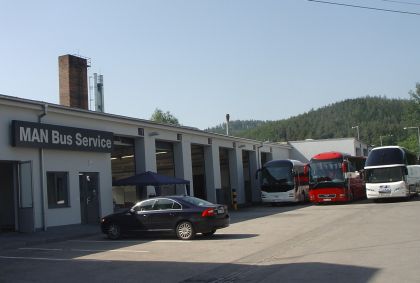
(57, 163)
(304, 150)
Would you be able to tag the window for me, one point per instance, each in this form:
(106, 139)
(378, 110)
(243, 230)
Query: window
(145, 205)
(163, 204)
(197, 201)
(57, 187)
(166, 204)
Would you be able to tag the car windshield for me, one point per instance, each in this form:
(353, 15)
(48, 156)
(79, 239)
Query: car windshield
(197, 201)
(384, 175)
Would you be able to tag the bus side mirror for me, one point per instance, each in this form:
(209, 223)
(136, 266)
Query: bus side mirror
(405, 170)
(306, 169)
(344, 167)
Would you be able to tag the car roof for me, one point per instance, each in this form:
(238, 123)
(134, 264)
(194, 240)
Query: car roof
(171, 197)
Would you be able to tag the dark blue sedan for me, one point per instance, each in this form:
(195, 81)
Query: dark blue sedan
(183, 215)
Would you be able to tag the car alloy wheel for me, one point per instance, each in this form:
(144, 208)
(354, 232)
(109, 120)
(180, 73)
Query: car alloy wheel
(185, 230)
(114, 231)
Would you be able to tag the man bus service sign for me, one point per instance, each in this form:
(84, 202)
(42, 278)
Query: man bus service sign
(29, 134)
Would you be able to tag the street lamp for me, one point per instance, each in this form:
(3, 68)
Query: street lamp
(418, 134)
(380, 137)
(357, 127)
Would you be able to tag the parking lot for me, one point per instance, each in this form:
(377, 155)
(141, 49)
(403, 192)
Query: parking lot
(359, 242)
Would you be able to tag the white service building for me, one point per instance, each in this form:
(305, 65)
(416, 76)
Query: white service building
(304, 150)
(58, 162)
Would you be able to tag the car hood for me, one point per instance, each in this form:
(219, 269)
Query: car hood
(119, 212)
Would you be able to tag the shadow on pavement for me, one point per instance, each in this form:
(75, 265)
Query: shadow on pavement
(85, 270)
(250, 213)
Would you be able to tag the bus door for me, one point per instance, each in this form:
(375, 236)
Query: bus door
(355, 180)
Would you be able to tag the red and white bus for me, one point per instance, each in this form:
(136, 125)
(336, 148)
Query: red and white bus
(336, 177)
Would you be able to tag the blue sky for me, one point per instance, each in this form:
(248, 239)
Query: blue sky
(201, 59)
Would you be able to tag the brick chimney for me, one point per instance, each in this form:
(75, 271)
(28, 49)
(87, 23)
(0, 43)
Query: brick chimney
(73, 81)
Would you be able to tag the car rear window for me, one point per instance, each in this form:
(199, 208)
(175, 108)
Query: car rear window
(198, 201)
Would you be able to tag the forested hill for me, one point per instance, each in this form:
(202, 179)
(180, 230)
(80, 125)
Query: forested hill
(375, 116)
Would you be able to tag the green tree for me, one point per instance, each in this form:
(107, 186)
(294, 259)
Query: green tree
(164, 117)
(376, 116)
(415, 95)
(413, 113)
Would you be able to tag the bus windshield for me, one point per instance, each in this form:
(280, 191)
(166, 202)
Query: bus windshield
(326, 171)
(277, 178)
(386, 156)
(385, 174)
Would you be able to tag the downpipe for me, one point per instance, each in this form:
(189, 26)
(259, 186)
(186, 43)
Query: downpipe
(41, 170)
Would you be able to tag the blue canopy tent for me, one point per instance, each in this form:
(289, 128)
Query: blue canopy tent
(151, 179)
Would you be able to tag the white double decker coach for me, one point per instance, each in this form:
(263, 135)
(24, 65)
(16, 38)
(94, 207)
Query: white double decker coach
(387, 175)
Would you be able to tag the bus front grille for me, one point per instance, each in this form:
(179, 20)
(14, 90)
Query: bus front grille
(326, 195)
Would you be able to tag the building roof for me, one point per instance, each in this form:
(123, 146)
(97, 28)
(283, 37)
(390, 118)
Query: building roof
(34, 104)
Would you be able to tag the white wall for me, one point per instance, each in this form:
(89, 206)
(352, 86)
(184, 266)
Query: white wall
(7, 152)
(305, 150)
(56, 160)
(75, 162)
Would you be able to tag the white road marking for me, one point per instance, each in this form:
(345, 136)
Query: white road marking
(130, 242)
(171, 241)
(85, 250)
(105, 241)
(40, 249)
(50, 259)
(124, 251)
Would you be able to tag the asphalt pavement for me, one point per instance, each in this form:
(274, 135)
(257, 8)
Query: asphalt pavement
(10, 240)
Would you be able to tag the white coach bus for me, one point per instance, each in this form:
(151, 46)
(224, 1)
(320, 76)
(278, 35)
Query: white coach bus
(283, 181)
(387, 175)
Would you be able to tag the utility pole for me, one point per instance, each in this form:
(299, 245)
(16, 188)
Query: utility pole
(358, 135)
(227, 124)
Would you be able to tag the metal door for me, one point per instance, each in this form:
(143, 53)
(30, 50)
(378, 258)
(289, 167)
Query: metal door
(89, 197)
(25, 194)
